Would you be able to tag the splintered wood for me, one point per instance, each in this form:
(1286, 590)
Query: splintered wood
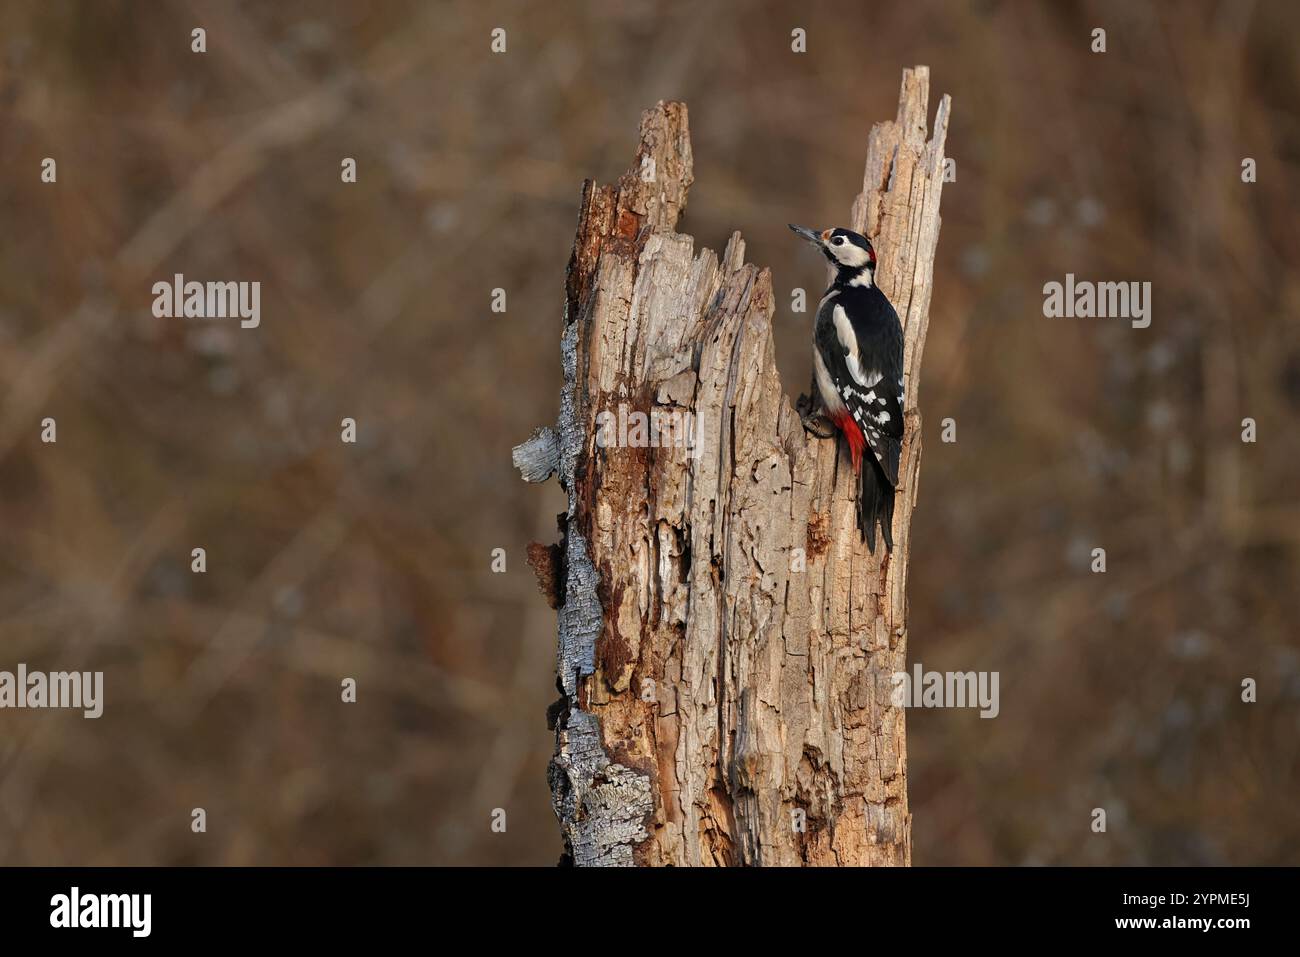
(726, 642)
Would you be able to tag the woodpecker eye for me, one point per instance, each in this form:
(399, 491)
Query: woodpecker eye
(837, 241)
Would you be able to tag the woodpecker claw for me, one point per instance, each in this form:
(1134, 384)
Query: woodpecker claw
(819, 425)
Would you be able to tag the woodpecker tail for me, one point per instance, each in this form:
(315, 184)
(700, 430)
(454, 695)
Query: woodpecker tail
(875, 493)
(875, 503)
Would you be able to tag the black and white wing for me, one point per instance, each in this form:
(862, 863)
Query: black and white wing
(864, 358)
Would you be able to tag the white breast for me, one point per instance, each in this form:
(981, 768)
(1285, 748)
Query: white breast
(826, 385)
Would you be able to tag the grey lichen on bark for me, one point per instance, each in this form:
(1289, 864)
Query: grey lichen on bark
(726, 642)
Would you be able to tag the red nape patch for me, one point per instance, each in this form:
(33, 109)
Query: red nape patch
(857, 441)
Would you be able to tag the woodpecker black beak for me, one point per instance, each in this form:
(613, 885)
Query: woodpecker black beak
(811, 235)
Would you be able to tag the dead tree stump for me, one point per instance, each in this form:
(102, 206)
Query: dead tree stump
(726, 642)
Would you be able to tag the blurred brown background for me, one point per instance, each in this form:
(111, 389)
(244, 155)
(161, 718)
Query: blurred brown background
(373, 561)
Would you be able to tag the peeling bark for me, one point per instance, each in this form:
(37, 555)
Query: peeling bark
(726, 642)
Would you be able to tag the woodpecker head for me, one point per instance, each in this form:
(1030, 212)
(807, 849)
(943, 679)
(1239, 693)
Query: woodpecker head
(849, 252)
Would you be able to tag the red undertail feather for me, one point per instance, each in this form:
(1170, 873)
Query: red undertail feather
(857, 441)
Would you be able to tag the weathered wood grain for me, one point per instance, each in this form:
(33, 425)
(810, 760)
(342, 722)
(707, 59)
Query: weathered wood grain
(726, 642)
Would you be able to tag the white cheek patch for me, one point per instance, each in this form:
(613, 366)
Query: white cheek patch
(850, 255)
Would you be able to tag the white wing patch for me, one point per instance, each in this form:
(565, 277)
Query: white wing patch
(860, 395)
(844, 332)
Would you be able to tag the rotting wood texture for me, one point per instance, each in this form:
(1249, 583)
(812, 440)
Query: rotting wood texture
(726, 642)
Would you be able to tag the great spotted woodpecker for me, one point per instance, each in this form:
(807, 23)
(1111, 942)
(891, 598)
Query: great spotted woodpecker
(858, 368)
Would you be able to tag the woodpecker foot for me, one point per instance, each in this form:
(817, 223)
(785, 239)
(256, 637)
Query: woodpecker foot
(819, 425)
(814, 420)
